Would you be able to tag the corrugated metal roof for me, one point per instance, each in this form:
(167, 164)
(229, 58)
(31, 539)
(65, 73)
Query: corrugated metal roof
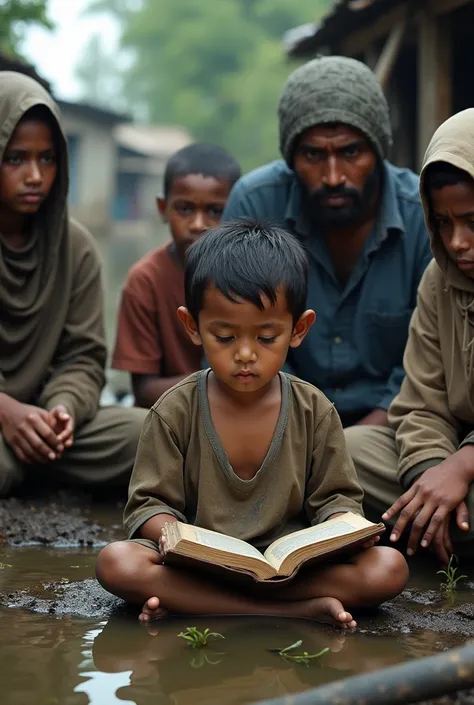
(344, 17)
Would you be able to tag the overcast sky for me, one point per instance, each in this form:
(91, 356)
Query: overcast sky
(55, 54)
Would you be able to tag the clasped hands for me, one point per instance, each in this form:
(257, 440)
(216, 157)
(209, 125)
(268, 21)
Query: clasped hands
(34, 434)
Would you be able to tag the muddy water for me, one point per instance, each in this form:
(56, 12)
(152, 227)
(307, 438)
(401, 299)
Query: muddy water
(72, 660)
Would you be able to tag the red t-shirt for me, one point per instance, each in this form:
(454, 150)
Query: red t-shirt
(150, 337)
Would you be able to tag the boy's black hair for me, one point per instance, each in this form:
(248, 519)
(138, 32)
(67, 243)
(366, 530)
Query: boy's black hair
(246, 259)
(201, 158)
(441, 174)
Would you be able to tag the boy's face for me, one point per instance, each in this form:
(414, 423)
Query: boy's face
(195, 204)
(244, 346)
(28, 168)
(453, 214)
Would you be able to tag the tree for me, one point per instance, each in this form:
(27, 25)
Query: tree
(15, 15)
(215, 67)
(98, 72)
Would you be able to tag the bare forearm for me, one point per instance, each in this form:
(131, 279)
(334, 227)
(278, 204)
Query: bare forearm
(148, 390)
(152, 528)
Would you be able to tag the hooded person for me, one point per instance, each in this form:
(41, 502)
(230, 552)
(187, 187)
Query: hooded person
(427, 455)
(361, 221)
(52, 340)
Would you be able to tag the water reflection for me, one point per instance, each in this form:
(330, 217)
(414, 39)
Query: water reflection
(47, 660)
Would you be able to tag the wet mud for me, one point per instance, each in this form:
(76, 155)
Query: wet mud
(73, 519)
(60, 519)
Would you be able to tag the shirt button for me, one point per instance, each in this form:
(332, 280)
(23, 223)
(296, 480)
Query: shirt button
(337, 340)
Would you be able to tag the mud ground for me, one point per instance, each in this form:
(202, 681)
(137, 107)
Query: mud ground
(60, 518)
(76, 519)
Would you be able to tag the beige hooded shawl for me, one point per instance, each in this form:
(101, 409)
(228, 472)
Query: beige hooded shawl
(52, 348)
(434, 411)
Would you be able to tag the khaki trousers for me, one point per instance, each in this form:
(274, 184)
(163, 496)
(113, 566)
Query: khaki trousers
(103, 452)
(375, 457)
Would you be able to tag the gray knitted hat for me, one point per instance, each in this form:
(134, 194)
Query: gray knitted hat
(334, 89)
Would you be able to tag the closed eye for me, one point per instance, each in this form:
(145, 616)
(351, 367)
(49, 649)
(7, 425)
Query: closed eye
(224, 338)
(268, 340)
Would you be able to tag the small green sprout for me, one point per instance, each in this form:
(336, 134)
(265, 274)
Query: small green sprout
(449, 586)
(303, 658)
(197, 639)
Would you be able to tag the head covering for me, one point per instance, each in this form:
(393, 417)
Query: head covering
(33, 280)
(453, 143)
(334, 89)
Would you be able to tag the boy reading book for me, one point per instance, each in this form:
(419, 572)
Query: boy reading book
(244, 449)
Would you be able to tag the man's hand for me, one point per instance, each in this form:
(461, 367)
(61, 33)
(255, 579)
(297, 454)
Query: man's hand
(62, 424)
(28, 432)
(377, 417)
(430, 501)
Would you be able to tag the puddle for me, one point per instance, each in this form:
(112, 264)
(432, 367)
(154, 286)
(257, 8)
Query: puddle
(97, 659)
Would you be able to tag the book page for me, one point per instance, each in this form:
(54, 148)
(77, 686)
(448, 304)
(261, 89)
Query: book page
(340, 526)
(229, 544)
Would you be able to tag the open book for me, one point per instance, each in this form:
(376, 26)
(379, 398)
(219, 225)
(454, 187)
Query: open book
(282, 559)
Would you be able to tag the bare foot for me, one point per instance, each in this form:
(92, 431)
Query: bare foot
(151, 610)
(327, 610)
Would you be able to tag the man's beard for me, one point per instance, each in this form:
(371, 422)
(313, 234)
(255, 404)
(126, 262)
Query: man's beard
(357, 207)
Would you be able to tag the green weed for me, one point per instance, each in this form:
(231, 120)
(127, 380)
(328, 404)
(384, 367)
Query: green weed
(196, 639)
(449, 585)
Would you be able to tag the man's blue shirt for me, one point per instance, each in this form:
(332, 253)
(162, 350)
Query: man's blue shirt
(354, 351)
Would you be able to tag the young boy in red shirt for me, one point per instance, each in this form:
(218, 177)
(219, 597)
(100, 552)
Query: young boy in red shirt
(151, 343)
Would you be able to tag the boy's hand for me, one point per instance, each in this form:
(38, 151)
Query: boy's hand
(28, 432)
(63, 424)
(429, 502)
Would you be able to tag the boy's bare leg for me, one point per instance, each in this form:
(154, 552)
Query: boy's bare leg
(371, 577)
(135, 573)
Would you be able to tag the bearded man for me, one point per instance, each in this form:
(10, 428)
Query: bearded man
(361, 221)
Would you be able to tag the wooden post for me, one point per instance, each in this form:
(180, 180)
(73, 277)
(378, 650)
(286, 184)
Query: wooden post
(390, 52)
(434, 76)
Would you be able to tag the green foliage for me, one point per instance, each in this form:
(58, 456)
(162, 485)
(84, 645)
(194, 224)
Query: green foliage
(15, 15)
(216, 68)
(196, 639)
(452, 577)
(305, 658)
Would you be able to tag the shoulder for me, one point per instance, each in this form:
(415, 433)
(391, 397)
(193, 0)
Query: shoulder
(83, 247)
(81, 239)
(150, 268)
(406, 187)
(433, 281)
(265, 190)
(177, 406)
(407, 184)
(273, 175)
(309, 399)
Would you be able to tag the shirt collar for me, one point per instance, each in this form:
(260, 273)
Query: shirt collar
(389, 216)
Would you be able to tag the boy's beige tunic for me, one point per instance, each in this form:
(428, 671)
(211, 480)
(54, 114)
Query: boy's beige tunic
(433, 415)
(182, 468)
(52, 343)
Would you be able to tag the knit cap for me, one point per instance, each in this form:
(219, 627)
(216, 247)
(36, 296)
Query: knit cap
(334, 89)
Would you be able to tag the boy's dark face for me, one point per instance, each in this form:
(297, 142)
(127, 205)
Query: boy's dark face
(28, 168)
(453, 216)
(244, 346)
(339, 171)
(195, 204)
